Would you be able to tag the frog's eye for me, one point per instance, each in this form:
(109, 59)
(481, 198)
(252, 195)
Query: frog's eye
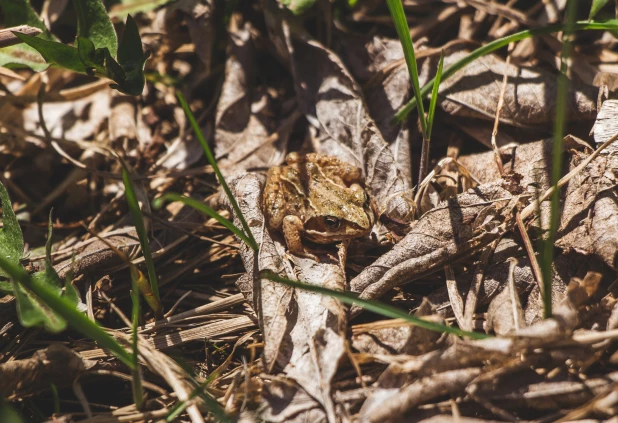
(332, 222)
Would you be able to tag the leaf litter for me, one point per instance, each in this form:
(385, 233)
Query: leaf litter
(459, 248)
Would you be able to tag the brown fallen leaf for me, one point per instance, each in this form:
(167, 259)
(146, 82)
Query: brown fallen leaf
(456, 228)
(332, 101)
(303, 331)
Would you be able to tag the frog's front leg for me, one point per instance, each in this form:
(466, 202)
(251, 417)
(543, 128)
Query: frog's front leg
(292, 228)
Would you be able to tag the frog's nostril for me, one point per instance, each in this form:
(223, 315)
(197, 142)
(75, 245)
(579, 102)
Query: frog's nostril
(332, 222)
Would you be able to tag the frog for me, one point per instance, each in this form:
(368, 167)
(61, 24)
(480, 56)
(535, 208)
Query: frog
(317, 198)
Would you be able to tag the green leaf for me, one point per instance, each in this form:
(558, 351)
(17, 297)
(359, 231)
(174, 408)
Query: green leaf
(8, 413)
(31, 311)
(597, 5)
(22, 55)
(20, 12)
(11, 238)
(298, 6)
(55, 53)
(90, 56)
(67, 310)
(403, 31)
(434, 96)
(132, 59)
(94, 24)
(140, 227)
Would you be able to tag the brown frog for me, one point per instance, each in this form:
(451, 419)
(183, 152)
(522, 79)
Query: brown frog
(318, 198)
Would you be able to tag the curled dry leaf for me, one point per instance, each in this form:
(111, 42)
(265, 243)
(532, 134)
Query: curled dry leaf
(456, 228)
(589, 220)
(393, 338)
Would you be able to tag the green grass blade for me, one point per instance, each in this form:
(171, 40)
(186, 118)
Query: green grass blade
(374, 306)
(434, 96)
(140, 227)
(213, 163)
(8, 413)
(596, 7)
(403, 31)
(67, 310)
(199, 206)
(137, 388)
(559, 127)
(499, 43)
(55, 397)
(211, 404)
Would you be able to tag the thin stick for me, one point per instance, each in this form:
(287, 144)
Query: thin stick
(498, 110)
(534, 263)
(7, 38)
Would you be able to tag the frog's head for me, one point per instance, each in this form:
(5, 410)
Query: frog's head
(339, 213)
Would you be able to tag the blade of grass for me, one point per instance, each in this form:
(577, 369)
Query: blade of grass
(8, 414)
(430, 115)
(211, 404)
(140, 227)
(67, 310)
(498, 44)
(403, 31)
(213, 163)
(55, 397)
(559, 127)
(434, 95)
(375, 306)
(201, 207)
(137, 388)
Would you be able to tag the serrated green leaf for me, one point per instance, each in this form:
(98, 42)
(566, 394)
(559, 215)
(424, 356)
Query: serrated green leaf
(11, 238)
(94, 24)
(298, 6)
(132, 59)
(90, 56)
(55, 53)
(6, 287)
(597, 5)
(8, 413)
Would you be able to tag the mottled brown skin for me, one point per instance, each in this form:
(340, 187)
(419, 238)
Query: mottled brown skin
(319, 198)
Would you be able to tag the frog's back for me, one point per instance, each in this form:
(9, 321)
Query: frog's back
(284, 195)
